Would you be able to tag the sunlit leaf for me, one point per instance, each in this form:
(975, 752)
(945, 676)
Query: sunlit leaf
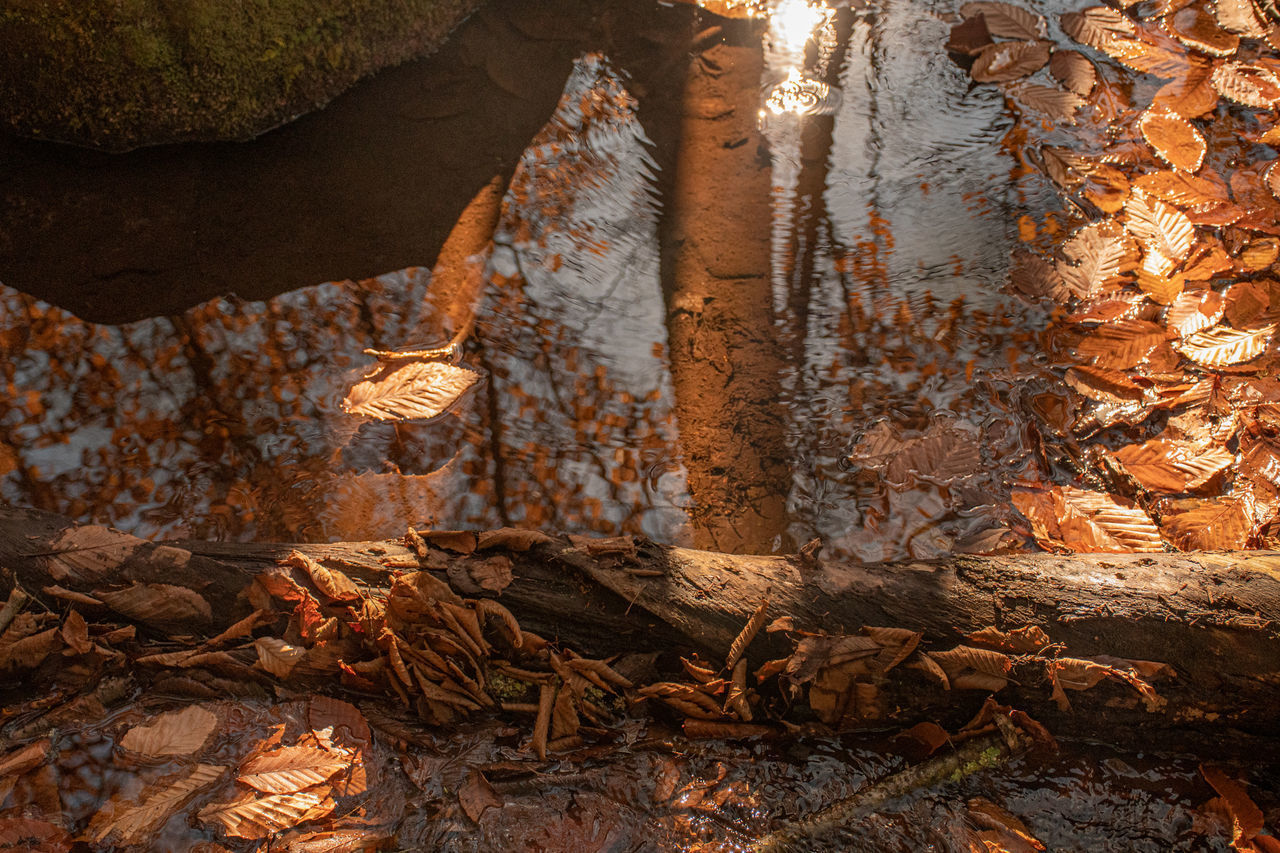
(181, 732)
(332, 583)
(1247, 819)
(1087, 521)
(418, 390)
(1189, 95)
(1122, 345)
(1159, 226)
(1194, 312)
(1195, 27)
(1209, 525)
(1074, 71)
(290, 769)
(1012, 834)
(1148, 57)
(1170, 466)
(134, 824)
(1174, 139)
(1095, 256)
(1239, 16)
(1222, 345)
(256, 816)
(1184, 190)
(1097, 25)
(1102, 384)
(1006, 19)
(1250, 85)
(1009, 60)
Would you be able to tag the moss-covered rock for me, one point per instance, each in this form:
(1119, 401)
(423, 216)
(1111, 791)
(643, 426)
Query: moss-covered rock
(118, 74)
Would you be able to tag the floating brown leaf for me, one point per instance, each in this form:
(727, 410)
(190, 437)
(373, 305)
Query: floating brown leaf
(159, 604)
(418, 390)
(1183, 190)
(1221, 345)
(1121, 345)
(1058, 104)
(134, 824)
(940, 456)
(1209, 525)
(1149, 57)
(1009, 60)
(1248, 84)
(1102, 384)
(1006, 19)
(1097, 25)
(1174, 139)
(1246, 818)
(1241, 17)
(290, 769)
(181, 732)
(1171, 466)
(1195, 27)
(1095, 256)
(254, 816)
(1074, 71)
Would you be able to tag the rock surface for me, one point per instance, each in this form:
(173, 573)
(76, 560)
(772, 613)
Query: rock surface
(120, 74)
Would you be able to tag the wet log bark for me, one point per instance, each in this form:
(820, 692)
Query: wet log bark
(1214, 617)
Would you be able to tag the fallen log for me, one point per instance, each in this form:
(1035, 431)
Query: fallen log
(1213, 618)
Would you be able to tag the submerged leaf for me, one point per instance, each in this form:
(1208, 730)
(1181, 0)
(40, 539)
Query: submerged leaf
(1006, 19)
(255, 816)
(1197, 29)
(134, 824)
(1095, 256)
(1171, 466)
(181, 732)
(290, 769)
(1246, 84)
(419, 390)
(1173, 139)
(1074, 71)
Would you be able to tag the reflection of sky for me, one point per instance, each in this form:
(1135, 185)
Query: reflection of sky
(224, 421)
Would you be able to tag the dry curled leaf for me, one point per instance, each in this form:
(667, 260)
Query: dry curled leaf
(182, 732)
(417, 390)
(161, 605)
(1174, 139)
(1009, 60)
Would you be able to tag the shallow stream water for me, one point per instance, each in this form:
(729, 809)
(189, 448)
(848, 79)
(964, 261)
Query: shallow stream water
(881, 305)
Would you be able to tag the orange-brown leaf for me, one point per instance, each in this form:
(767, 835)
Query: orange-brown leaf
(159, 604)
(255, 816)
(1221, 345)
(476, 794)
(290, 769)
(1174, 139)
(1172, 466)
(1009, 60)
(181, 732)
(1224, 523)
(131, 825)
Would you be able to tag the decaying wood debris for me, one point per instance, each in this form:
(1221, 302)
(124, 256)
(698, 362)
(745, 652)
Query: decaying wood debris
(456, 623)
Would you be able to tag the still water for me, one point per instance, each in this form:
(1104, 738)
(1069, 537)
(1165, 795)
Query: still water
(845, 299)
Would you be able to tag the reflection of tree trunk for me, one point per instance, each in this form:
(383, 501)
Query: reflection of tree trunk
(725, 362)
(1209, 616)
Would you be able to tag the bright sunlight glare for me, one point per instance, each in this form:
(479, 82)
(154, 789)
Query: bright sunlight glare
(794, 21)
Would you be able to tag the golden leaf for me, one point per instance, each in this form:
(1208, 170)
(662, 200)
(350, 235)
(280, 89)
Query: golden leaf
(290, 769)
(181, 732)
(1221, 345)
(1210, 525)
(1073, 70)
(1121, 345)
(1173, 466)
(1174, 139)
(1102, 384)
(1097, 25)
(1189, 95)
(1160, 227)
(1246, 84)
(1161, 287)
(134, 824)
(418, 390)
(1094, 521)
(1095, 256)
(1197, 29)
(1194, 312)
(1148, 57)
(1240, 16)
(1009, 60)
(1183, 190)
(1007, 20)
(254, 816)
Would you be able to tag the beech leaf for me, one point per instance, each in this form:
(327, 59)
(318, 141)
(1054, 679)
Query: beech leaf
(278, 657)
(1006, 19)
(134, 824)
(1174, 139)
(1221, 345)
(1246, 84)
(1097, 25)
(290, 769)
(1056, 103)
(418, 390)
(159, 604)
(1160, 227)
(1009, 60)
(1074, 71)
(1171, 466)
(1095, 256)
(1195, 27)
(255, 816)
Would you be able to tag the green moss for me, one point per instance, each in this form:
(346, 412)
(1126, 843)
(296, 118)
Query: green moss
(121, 73)
(507, 689)
(990, 757)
